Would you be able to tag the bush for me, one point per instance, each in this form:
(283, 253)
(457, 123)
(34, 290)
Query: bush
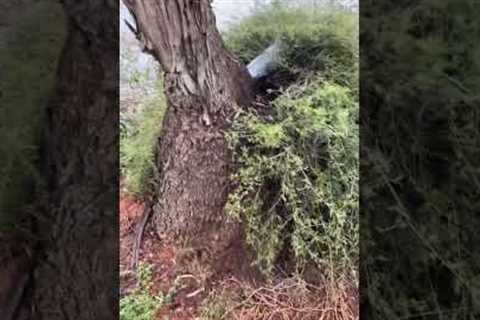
(137, 144)
(298, 176)
(297, 182)
(314, 41)
(420, 143)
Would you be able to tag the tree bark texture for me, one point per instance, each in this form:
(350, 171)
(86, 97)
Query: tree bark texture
(77, 271)
(203, 85)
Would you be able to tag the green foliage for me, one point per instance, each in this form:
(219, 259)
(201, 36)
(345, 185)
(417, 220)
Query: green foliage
(137, 144)
(314, 40)
(420, 145)
(298, 176)
(141, 304)
(297, 183)
(30, 41)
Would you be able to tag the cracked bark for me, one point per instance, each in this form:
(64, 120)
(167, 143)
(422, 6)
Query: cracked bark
(203, 84)
(76, 276)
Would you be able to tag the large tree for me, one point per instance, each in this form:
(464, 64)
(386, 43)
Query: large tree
(76, 274)
(204, 84)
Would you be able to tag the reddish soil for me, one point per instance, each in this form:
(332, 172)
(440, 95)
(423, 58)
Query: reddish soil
(162, 258)
(192, 288)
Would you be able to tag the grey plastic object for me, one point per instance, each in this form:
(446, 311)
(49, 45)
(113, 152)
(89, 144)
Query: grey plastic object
(266, 62)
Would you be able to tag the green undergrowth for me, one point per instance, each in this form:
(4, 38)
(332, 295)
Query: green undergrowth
(297, 182)
(141, 304)
(314, 41)
(421, 154)
(298, 176)
(137, 144)
(30, 47)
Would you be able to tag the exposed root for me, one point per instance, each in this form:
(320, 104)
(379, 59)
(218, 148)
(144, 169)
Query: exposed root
(139, 236)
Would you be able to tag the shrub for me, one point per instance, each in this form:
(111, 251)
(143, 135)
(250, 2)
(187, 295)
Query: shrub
(298, 176)
(141, 304)
(420, 143)
(314, 40)
(137, 144)
(297, 182)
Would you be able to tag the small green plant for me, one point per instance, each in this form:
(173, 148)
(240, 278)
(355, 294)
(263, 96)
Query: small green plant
(141, 304)
(137, 144)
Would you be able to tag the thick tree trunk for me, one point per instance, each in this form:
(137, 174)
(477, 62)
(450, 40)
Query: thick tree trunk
(203, 84)
(77, 272)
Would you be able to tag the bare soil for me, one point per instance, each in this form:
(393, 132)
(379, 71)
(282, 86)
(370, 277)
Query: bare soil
(249, 298)
(162, 258)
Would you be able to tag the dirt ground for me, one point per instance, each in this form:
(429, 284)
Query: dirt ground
(163, 260)
(287, 298)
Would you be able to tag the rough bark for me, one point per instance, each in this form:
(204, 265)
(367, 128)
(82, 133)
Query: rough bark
(15, 270)
(77, 272)
(203, 84)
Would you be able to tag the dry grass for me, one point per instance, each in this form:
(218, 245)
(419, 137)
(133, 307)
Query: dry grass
(290, 298)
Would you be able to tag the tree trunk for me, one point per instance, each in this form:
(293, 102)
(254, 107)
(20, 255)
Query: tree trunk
(77, 272)
(203, 84)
